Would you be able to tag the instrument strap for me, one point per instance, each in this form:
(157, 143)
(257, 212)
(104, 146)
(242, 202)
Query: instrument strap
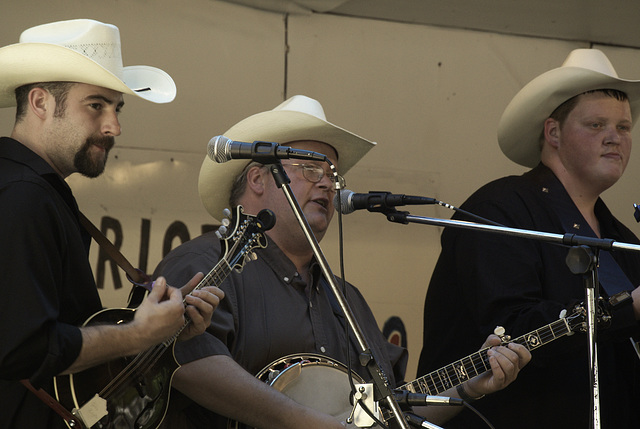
(134, 275)
(56, 406)
(611, 276)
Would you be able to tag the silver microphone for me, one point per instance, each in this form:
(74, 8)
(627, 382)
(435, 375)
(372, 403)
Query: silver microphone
(222, 149)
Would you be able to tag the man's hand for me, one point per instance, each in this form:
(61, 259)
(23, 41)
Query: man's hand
(159, 316)
(506, 362)
(201, 304)
(635, 296)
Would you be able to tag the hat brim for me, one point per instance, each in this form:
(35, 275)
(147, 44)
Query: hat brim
(282, 127)
(521, 125)
(25, 63)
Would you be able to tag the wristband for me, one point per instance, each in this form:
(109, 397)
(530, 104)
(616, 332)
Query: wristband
(464, 395)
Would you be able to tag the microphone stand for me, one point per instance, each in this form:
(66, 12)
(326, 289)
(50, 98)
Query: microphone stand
(367, 358)
(582, 258)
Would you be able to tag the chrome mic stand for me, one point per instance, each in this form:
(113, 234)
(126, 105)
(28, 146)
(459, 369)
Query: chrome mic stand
(581, 259)
(366, 355)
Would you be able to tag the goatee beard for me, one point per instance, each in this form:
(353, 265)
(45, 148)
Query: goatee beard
(88, 166)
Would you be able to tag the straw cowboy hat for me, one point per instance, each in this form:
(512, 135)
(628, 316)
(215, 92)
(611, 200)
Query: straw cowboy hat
(298, 118)
(79, 50)
(520, 128)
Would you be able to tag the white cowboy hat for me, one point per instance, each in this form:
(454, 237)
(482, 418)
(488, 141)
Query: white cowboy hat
(298, 118)
(521, 125)
(79, 50)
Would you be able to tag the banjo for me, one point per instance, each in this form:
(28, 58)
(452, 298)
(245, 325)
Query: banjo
(321, 383)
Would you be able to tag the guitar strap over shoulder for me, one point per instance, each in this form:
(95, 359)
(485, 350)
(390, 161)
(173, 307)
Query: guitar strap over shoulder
(135, 276)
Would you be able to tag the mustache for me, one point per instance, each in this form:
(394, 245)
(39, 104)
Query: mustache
(105, 142)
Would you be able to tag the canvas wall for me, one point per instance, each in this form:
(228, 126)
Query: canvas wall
(430, 97)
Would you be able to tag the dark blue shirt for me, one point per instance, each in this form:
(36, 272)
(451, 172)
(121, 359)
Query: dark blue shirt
(270, 312)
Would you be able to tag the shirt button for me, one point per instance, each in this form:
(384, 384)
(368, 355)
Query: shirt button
(322, 349)
(286, 279)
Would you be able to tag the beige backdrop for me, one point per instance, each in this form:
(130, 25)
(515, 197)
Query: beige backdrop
(431, 97)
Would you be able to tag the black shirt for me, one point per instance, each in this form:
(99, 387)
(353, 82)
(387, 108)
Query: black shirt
(483, 280)
(47, 284)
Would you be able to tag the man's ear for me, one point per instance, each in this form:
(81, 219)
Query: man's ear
(257, 179)
(40, 102)
(552, 132)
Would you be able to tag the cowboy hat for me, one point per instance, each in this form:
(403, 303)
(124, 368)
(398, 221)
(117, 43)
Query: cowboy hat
(298, 118)
(521, 125)
(79, 50)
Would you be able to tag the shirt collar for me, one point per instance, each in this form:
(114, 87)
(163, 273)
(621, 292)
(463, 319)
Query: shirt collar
(16, 151)
(285, 269)
(552, 190)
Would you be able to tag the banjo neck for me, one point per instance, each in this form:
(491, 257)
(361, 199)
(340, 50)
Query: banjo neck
(440, 380)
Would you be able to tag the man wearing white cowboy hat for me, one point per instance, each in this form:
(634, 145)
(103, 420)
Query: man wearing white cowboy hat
(573, 126)
(67, 82)
(279, 305)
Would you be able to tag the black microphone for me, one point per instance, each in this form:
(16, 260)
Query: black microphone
(350, 201)
(221, 149)
(419, 422)
(404, 397)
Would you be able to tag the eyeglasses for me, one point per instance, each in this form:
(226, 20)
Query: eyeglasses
(314, 173)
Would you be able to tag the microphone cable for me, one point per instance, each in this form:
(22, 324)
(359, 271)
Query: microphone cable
(343, 284)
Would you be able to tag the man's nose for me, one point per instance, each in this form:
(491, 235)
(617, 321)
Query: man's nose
(111, 126)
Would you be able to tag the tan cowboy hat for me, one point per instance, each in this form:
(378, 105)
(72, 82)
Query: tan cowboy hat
(520, 128)
(79, 50)
(298, 118)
